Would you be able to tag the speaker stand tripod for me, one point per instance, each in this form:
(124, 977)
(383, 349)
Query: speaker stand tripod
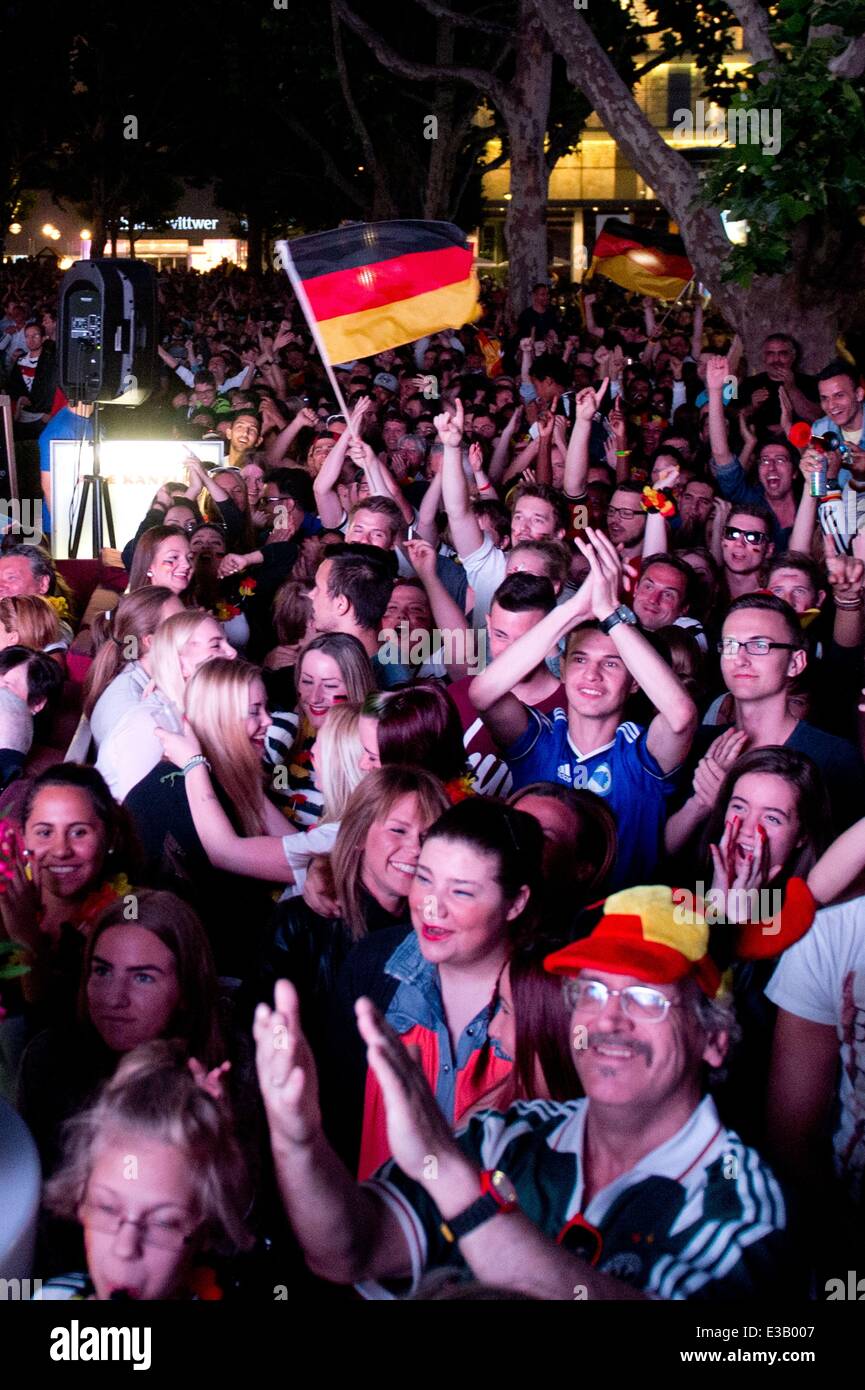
(94, 490)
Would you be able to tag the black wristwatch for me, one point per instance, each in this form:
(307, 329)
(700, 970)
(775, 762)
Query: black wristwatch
(622, 614)
(498, 1195)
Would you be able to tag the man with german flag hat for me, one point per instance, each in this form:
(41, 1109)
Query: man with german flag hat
(635, 1190)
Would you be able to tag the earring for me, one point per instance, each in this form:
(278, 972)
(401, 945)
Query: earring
(150, 574)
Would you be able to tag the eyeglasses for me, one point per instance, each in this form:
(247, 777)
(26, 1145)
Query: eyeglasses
(640, 1003)
(164, 1233)
(735, 533)
(755, 646)
(623, 511)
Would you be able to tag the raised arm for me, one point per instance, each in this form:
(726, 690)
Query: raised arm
(717, 370)
(327, 501)
(839, 865)
(277, 449)
(577, 458)
(255, 856)
(491, 692)
(345, 1232)
(502, 450)
(465, 529)
(430, 505)
(671, 732)
(448, 617)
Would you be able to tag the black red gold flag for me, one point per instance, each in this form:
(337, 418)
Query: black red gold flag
(370, 286)
(641, 259)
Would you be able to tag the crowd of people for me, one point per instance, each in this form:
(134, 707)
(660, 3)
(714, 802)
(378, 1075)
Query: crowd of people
(454, 887)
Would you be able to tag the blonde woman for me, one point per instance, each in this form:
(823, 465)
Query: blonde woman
(180, 645)
(332, 669)
(30, 621)
(227, 713)
(284, 857)
(121, 669)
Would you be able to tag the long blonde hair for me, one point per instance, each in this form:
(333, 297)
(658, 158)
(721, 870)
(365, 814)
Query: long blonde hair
(169, 639)
(33, 618)
(338, 751)
(373, 800)
(217, 705)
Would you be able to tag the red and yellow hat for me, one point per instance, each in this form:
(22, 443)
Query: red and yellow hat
(657, 934)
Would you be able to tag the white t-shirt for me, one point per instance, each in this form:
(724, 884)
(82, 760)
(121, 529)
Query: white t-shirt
(822, 979)
(119, 696)
(131, 749)
(486, 569)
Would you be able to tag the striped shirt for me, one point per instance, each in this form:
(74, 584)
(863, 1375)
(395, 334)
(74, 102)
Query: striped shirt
(293, 779)
(701, 1216)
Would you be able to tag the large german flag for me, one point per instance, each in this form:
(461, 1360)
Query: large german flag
(376, 285)
(638, 259)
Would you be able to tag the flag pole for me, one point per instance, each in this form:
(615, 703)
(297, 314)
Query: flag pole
(282, 248)
(674, 303)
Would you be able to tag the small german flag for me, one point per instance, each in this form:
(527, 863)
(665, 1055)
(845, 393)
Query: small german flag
(639, 259)
(370, 286)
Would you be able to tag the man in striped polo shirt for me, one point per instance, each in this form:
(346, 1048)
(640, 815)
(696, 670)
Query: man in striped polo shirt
(636, 1191)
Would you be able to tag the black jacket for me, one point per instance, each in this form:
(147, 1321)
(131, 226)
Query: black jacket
(309, 950)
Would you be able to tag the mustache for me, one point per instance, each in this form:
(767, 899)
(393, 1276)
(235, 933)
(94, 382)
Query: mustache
(635, 1045)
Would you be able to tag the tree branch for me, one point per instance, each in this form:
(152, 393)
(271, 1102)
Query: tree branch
(480, 26)
(381, 193)
(755, 26)
(422, 72)
(666, 171)
(850, 63)
(329, 166)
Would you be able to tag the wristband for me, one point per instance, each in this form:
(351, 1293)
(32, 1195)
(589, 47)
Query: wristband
(848, 605)
(195, 762)
(487, 487)
(622, 453)
(653, 500)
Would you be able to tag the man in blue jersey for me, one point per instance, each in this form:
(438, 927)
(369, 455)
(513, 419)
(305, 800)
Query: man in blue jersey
(636, 1191)
(607, 658)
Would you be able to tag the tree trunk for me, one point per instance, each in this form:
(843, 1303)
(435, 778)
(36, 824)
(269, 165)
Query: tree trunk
(813, 301)
(526, 116)
(444, 147)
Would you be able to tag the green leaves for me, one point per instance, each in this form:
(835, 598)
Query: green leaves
(817, 171)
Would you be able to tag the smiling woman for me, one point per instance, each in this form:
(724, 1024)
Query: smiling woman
(444, 986)
(373, 864)
(70, 860)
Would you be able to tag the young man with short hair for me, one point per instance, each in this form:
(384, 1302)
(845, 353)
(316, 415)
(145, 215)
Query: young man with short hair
(520, 602)
(746, 546)
(762, 650)
(606, 660)
(350, 593)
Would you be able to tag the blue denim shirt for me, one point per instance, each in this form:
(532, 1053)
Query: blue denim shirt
(418, 1001)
